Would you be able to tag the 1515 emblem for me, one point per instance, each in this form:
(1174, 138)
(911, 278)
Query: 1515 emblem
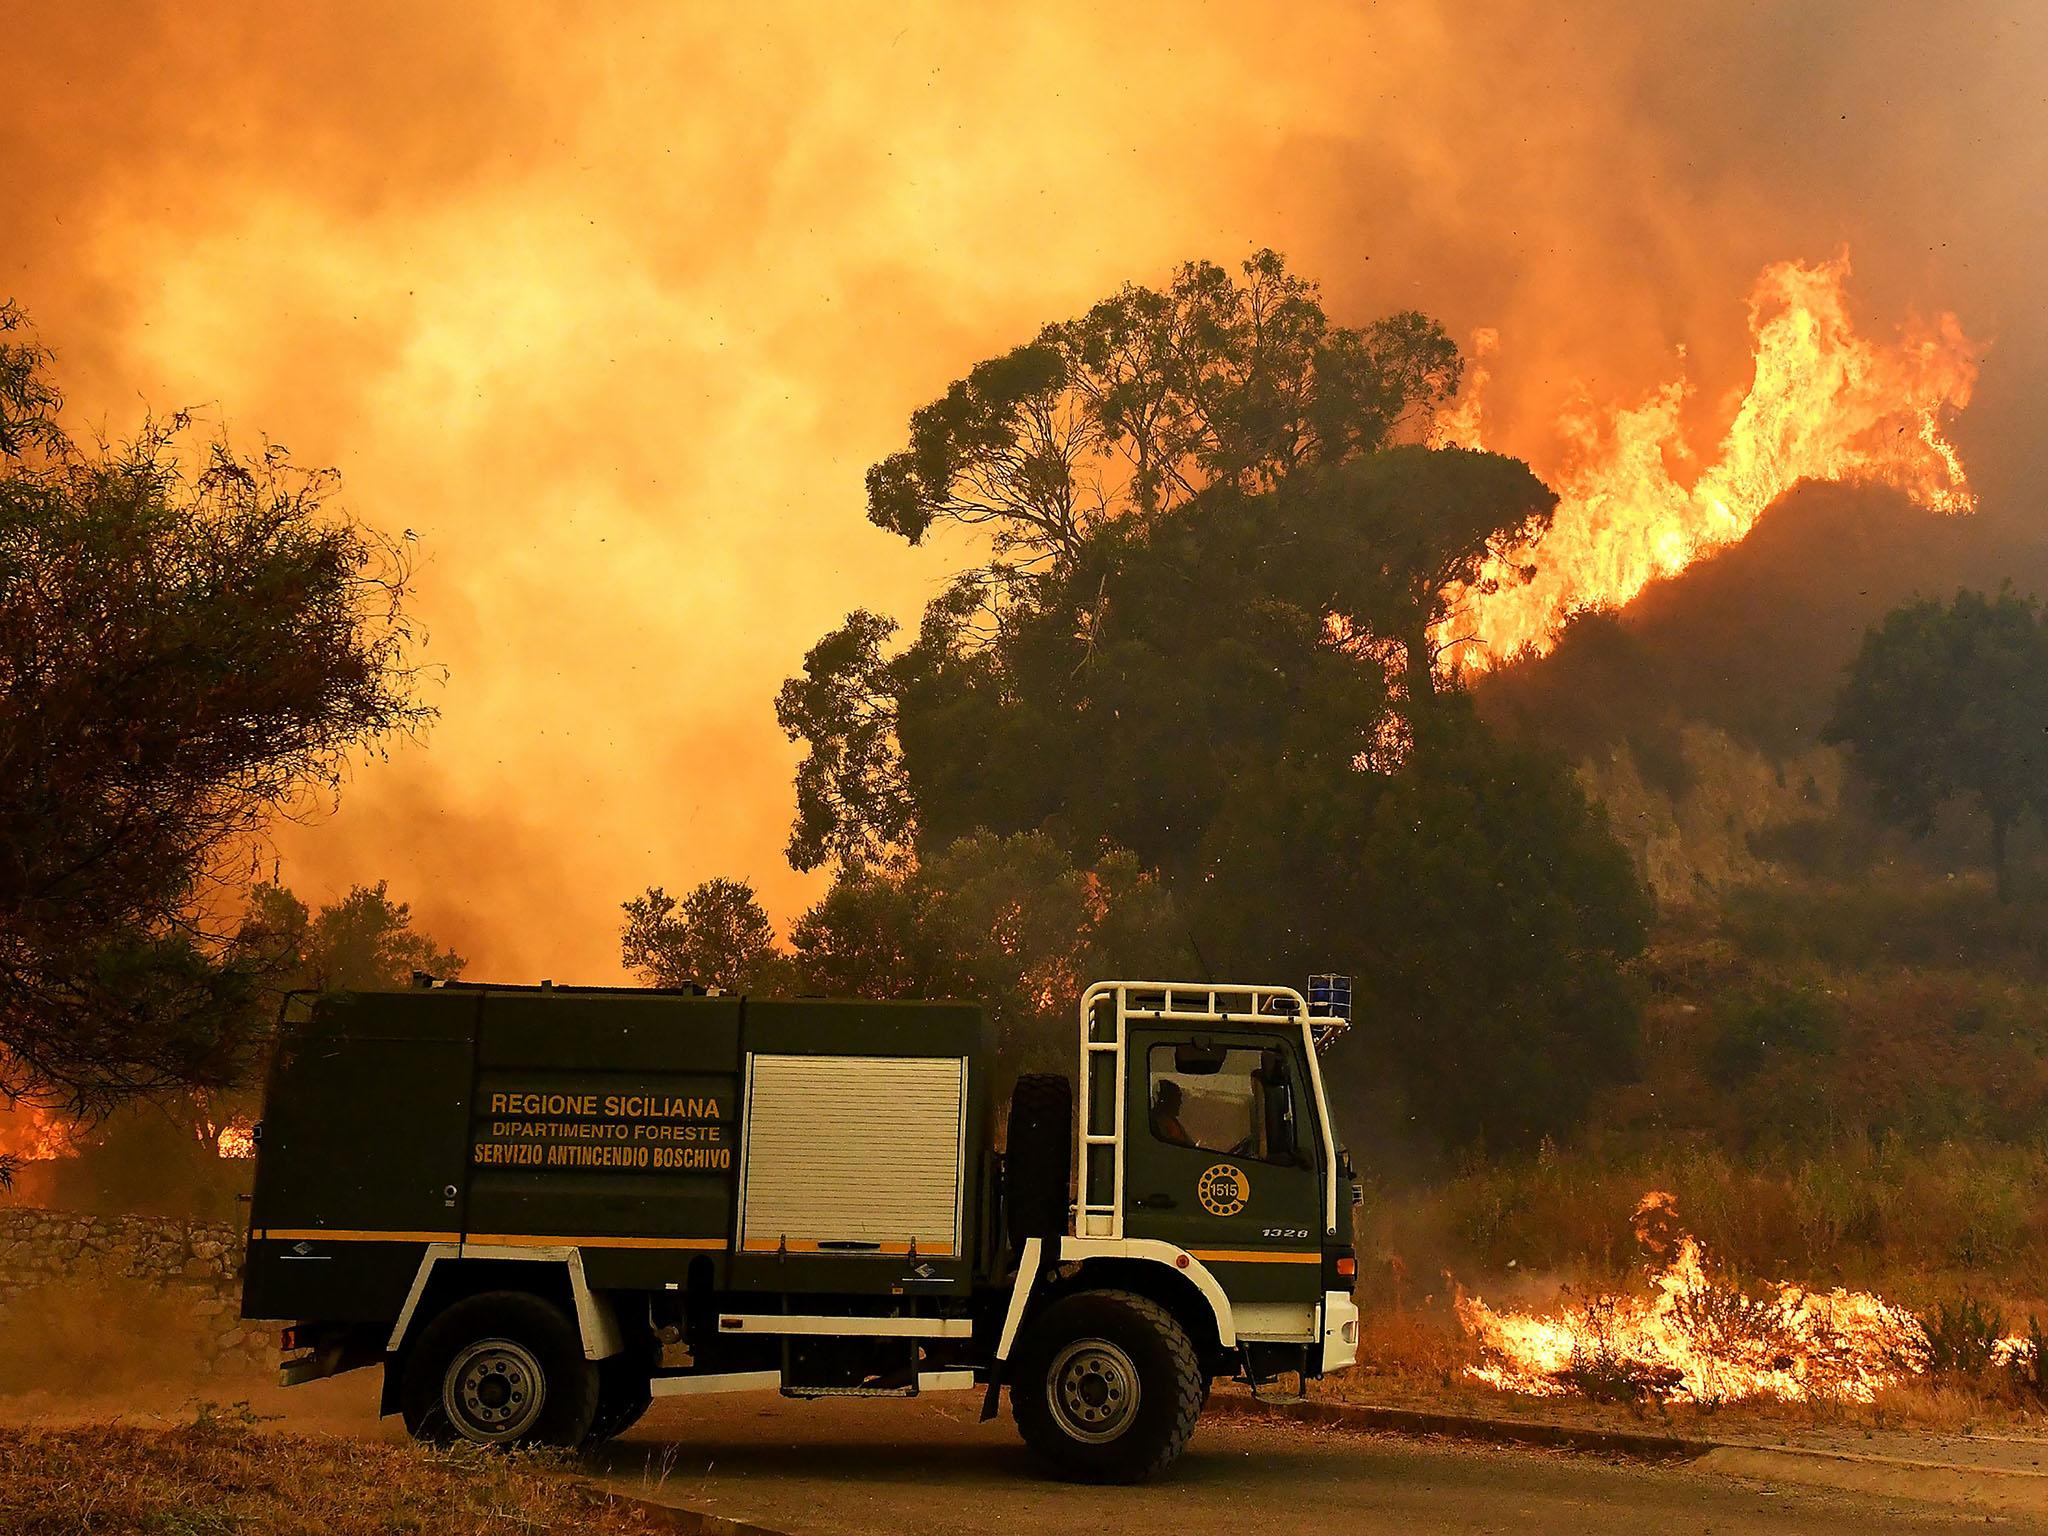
(1223, 1190)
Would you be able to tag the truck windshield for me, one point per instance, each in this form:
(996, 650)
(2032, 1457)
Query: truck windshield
(1244, 1107)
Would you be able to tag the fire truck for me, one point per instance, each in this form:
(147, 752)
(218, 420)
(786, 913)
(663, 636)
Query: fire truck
(540, 1208)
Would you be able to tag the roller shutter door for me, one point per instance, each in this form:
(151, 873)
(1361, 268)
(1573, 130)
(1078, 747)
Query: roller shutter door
(853, 1150)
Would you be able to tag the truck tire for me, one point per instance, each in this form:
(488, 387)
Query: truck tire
(625, 1388)
(1038, 1156)
(1106, 1387)
(503, 1368)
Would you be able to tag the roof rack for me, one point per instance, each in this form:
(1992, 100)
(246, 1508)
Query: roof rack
(455, 984)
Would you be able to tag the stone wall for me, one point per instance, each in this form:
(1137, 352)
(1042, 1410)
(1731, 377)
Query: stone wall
(197, 1263)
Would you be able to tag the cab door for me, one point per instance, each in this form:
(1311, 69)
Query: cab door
(1220, 1157)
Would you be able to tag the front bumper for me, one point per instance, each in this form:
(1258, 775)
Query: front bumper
(1340, 1331)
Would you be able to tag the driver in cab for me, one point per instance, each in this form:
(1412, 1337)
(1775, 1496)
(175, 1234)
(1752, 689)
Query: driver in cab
(1166, 1102)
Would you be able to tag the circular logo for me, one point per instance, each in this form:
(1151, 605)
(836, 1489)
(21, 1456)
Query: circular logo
(1223, 1190)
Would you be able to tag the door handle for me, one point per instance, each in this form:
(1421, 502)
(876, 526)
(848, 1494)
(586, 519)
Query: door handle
(1157, 1202)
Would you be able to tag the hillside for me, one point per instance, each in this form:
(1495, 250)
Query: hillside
(1696, 712)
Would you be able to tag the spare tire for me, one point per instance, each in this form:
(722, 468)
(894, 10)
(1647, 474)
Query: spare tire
(1038, 1158)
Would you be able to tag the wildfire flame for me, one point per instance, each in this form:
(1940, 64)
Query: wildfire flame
(1823, 404)
(237, 1138)
(34, 1135)
(1698, 1337)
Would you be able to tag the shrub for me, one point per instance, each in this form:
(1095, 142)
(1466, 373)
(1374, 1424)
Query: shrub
(1756, 1031)
(1962, 1338)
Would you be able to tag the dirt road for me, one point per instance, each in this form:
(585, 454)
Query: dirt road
(841, 1467)
(847, 1466)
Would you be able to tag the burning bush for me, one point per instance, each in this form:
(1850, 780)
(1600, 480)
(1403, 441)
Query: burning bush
(1700, 1335)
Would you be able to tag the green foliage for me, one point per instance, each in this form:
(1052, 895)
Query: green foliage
(1946, 703)
(190, 642)
(1754, 1030)
(1488, 911)
(1059, 449)
(716, 936)
(1009, 921)
(1791, 1016)
(1962, 1337)
(1889, 923)
(1193, 672)
(999, 448)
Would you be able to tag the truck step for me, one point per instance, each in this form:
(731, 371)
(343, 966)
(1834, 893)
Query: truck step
(927, 1381)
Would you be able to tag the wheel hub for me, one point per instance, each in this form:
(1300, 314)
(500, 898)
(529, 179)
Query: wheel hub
(1094, 1392)
(494, 1391)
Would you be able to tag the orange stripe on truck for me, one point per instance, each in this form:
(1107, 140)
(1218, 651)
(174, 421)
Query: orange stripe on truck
(348, 1235)
(478, 1239)
(526, 1240)
(1253, 1256)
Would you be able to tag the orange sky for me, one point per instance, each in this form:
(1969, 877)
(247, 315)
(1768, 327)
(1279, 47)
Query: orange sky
(613, 309)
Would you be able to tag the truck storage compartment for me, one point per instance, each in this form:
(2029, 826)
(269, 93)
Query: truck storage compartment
(854, 1154)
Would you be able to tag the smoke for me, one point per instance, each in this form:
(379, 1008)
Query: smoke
(112, 1336)
(612, 307)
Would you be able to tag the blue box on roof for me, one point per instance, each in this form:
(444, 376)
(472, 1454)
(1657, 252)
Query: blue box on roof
(1329, 997)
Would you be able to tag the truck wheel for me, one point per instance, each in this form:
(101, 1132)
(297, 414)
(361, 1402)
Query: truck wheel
(1106, 1388)
(503, 1368)
(1038, 1156)
(624, 1388)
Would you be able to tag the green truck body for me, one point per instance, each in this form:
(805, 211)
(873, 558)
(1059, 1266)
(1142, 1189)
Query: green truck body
(538, 1208)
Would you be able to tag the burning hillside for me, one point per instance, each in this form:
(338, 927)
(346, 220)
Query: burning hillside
(1823, 403)
(1699, 1336)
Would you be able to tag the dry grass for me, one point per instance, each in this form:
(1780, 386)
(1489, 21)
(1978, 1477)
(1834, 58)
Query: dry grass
(1418, 1347)
(221, 1476)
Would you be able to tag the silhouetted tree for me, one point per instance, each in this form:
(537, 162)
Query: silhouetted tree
(1393, 542)
(1947, 703)
(1011, 922)
(161, 1153)
(715, 936)
(1215, 384)
(29, 400)
(364, 941)
(852, 802)
(190, 641)
(1150, 398)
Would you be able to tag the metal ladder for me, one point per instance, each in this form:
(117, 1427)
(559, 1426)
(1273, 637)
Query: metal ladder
(1101, 1218)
